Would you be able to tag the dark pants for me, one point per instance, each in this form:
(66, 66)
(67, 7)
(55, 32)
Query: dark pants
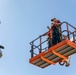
(56, 36)
(49, 42)
(56, 40)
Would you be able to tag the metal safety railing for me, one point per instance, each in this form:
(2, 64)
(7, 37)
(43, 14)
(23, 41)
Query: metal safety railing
(69, 31)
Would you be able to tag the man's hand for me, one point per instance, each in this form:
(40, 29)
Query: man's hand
(48, 27)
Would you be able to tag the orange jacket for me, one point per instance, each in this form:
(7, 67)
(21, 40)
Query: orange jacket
(49, 34)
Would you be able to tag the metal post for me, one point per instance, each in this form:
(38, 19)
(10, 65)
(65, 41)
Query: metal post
(61, 32)
(40, 45)
(32, 49)
(75, 35)
(67, 31)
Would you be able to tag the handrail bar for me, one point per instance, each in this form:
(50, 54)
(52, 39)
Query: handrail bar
(47, 32)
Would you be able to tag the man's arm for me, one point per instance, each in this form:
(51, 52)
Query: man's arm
(49, 28)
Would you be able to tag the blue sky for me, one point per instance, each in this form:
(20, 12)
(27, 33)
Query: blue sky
(23, 21)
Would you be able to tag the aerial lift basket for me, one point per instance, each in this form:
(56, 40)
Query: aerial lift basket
(57, 53)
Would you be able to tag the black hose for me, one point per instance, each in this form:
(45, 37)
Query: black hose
(61, 63)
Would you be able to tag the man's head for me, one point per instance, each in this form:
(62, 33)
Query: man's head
(54, 19)
(52, 24)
